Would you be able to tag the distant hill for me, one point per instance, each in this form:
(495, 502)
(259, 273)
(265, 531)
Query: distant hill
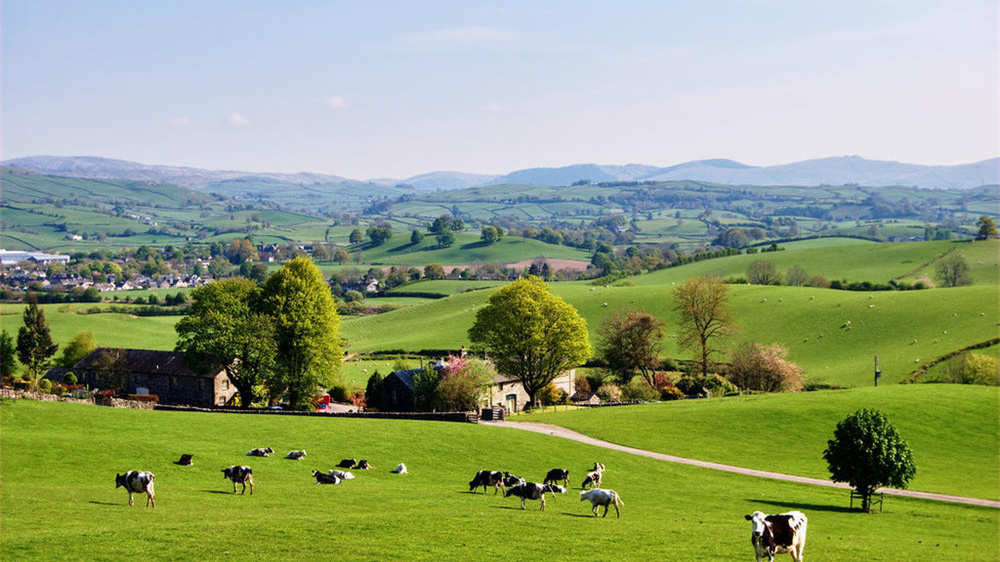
(838, 170)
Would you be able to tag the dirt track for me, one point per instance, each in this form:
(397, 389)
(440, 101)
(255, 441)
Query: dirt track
(557, 431)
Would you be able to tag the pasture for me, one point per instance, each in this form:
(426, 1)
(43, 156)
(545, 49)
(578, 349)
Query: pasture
(671, 511)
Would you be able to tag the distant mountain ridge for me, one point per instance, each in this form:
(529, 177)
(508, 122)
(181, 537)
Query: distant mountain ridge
(824, 171)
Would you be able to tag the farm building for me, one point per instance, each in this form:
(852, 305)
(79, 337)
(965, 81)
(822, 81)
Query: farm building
(163, 373)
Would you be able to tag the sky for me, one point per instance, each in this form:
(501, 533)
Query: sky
(389, 89)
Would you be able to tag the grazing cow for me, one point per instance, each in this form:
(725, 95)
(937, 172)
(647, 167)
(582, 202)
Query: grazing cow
(511, 480)
(592, 479)
(778, 534)
(348, 463)
(401, 469)
(363, 465)
(135, 482)
(528, 491)
(557, 474)
(598, 467)
(341, 474)
(486, 478)
(324, 478)
(186, 460)
(239, 475)
(599, 497)
(554, 489)
(266, 451)
(296, 455)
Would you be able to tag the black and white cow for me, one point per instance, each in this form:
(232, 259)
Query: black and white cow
(510, 480)
(598, 467)
(486, 478)
(528, 491)
(186, 460)
(296, 455)
(135, 482)
(557, 474)
(260, 452)
(592, 479)
(325, 478)
(341, 474)
(239, 475)
(553, 489)
(599, 497)
(363, 465)
(348, 463)
(778, 534)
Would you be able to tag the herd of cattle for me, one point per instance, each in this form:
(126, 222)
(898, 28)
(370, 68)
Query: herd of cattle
(770, 534)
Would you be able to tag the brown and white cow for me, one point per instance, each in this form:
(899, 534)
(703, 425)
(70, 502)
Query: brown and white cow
(778, 534)
(135, 482)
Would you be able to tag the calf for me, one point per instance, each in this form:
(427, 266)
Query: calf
(557, 474)
(239, 475)
(186, 460)
(778, 534)
(325, 478)
(135, 482)
(266, 451)
(511, 480)
(528, 491)
(599, 497)
(592, 479)
(363, 465)
(348, 463)
(598, 467)
(487, 478)
(296, 455)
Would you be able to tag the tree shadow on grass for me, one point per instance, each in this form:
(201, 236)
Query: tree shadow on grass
(805, 506)
(474, 245)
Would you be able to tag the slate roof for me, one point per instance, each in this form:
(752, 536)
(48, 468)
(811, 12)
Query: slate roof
(148, 361)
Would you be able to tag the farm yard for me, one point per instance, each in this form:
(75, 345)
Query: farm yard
(670, 511)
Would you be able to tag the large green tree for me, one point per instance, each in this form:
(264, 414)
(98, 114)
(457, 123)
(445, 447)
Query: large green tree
(34, 342)
(309, 349)
(227, 327)
(79, 347)
(705, 318)
(8, 354)
(952, 271)
(629, 341)
(987, 228)
(868, 453)
(531, 334)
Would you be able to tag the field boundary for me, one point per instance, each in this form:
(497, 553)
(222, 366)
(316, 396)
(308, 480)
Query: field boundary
(564, 433)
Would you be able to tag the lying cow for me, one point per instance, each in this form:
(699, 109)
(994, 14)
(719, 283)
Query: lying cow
(599, 497)
(363, 465)
(296, 455)
(486, 478)
(325, 478)
(186, 460)
(778, 534)
(341, 474)
(348, 463)
(511, 480)
(553, 489)
(592, 479)
(401, 469)
(136, 482)
(266, 451)
(528, 491)
(239, 475)
(557, 474)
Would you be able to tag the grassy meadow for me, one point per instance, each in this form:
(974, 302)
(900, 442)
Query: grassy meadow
(953, 430)
(670, 511)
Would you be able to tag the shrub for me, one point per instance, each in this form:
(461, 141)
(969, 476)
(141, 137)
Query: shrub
(609, 393)
(638, 390)
(923, 282)
(671, 393)
(972, 368)
(551, 394)
(764, 368)
(580, 385)
(709, 385)
(463, 383)
(595, 381)
(69, 379)
(21, 384)
(339, 393)
(45, 385)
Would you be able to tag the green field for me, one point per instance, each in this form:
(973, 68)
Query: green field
(672, 512)
(953, 430)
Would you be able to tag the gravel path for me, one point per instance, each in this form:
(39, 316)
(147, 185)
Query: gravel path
(558, 431)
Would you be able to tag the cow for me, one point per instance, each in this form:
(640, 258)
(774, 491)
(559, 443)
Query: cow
(592, 479)
(557, 474)
(486, 478)
(599, 497)
(136, 481)
(528, 491)
(239, 475)
(598, 467)
(260, 452)
(186, 460)
(553, 489)
(511, 480)
(778, 534)
(363, 465)
(401, 469)
(296, 455)
(325, 478)
(348, 463)
(341, 474)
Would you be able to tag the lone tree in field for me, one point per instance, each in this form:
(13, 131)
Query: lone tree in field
(987, 228)
(8, 352)
(867, 453)
(953, 271)
(227, 327)
(531, 334)
(629, 342)
(308, 347)
(763, 272)
(705, 319)
(34, 342)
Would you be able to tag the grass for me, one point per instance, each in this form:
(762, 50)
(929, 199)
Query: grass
(671, 511)
(953, 430)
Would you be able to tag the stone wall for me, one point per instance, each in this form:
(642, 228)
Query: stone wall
(40, 396)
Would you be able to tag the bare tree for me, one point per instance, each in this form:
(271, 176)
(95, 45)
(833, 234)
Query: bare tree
(763, 272)
(705, 319)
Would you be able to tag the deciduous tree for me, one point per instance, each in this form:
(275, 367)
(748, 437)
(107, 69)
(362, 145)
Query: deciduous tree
(763, 272)
(987, 228)
(764, 368)
(952, 271)
(34, 342)
(8, 355)
(868, 453)
(79, 347)
(629, 341)
(531, 334)
(463, 383)
(705, 319)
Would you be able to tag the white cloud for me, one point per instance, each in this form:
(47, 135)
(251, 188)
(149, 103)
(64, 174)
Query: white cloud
(179, 121)
(237, 120)
(336, 102)
(468, 36)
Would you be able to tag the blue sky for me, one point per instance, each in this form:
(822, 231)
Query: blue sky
(394, 89)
